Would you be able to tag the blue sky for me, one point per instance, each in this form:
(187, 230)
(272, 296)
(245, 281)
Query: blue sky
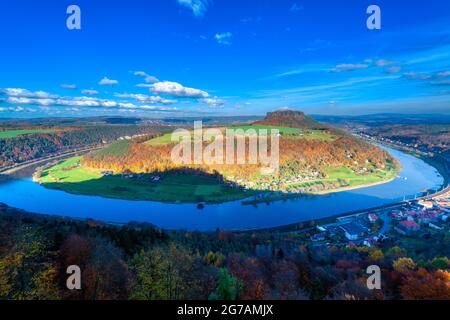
(223, 57)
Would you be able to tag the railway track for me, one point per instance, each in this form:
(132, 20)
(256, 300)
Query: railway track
(60, 155)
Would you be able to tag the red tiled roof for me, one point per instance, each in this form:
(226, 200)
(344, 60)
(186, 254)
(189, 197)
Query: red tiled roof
(410, 224)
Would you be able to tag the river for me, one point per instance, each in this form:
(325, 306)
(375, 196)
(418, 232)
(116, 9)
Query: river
(415, 177)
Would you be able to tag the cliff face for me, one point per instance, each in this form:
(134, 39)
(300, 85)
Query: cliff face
(290, 118)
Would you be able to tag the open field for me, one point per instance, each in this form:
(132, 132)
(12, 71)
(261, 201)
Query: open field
(159, 141)
(258, 128)
(15, 133)
(291, 133)
(349, 179)
(116, 149)
(69, 176)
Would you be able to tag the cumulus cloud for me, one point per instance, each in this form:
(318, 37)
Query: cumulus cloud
(24, 93)
(224, 38)
(350, 67)
(18, 109)
(23, 97)
(177, 90)
(148, 78)
(213, 102)
(68, 86)
(41, 98)
(107, 82)
(198, 7)
(143, 98)
(89, 92)
(417, 76)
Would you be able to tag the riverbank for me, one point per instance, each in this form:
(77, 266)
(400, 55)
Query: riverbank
(71, 176)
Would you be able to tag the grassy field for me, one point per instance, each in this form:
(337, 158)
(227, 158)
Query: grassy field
(258, 128)
(159, 141)
(292, 133)
(349, 179)
(340, 176)
(116, 149)
(69, 176)
(15, 133)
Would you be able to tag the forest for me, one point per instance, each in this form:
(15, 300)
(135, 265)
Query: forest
(31, 146)
(142, 262)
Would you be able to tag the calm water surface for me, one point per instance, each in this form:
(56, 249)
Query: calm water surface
(415, 177)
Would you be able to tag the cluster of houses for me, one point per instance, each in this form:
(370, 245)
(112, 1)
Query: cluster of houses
(352, 228)
(423, 214)
(284, 184)
(131, 137)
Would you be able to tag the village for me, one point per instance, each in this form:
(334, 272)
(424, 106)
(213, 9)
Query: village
(412, 219)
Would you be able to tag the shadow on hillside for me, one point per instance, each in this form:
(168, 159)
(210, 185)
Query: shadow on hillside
(184, 185)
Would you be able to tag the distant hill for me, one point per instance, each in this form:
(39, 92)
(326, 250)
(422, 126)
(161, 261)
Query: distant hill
(290, 118)
(375, 120)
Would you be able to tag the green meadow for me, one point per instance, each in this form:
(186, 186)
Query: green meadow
(15, 133)
(69, 176)
(291, 133)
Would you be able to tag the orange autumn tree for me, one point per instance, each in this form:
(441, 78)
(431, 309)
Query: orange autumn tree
(422, 284)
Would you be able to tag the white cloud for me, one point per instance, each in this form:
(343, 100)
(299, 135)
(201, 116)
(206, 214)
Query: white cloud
(18, 109)
(350, 67)
(69, 86)
(107, 82)
(384, 63)
(148, 78)
(46, 101)
(145, 98)
(443, 74)
(19, 92)
(144, 85)
(417, 76)
(213, 102)
(89, 92)
(393, 70)
(224, 38)
(198, 7)
(177, 90)
(23, 100)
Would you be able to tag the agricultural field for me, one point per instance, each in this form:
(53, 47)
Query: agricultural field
(15, 133)
(159, 141)
(117, 149)
(258, 128)
(290, 133)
